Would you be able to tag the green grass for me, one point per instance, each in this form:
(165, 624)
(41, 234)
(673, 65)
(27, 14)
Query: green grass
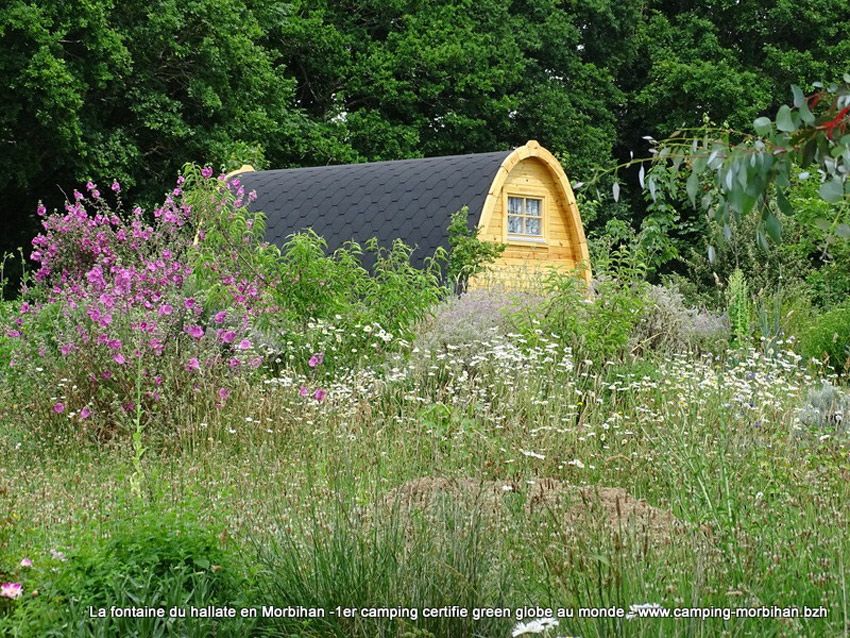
(297, 492)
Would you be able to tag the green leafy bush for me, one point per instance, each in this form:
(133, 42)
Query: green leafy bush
(467, 255)
(597, 324)
(828, 338)
(738, 308)
(154, 560)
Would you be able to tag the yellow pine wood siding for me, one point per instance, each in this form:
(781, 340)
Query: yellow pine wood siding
(531, 171)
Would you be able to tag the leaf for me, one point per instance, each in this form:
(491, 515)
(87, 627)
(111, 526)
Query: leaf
(805, 114)
(843, 231)
(784, 121)
(615, 190)
(797, 92)
(692, 186)
(712, 254)
(784, 204)
(773, 227)
(641, 174)
(652, 188)
(822, 224)
(832, 191)
(763, 125)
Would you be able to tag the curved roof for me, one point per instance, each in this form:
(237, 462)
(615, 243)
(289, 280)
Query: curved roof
(408, 199)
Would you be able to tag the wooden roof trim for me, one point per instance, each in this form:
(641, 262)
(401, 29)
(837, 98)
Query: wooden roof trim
(533, 149)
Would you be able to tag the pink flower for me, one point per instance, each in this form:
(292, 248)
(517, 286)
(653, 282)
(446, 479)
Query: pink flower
(223, 394)
(304, 391)
(165, 309)
(233, 363)
(227, 336)
(114, 344)
(116, 187)
(26, 562)
(119, 359)
(85, 412)
(220, 316)
(320, 394)
(207, 172)
(59, 407)
(245, 344)
(316, 359)
(11, 590)
(193, 365)
(196, 332)
(41, 211)
(90, 185)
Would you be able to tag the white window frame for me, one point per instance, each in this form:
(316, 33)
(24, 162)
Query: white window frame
(522, 237)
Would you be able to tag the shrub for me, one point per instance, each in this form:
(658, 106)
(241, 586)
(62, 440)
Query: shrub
(473, 316)
(156, 560)
(738, 308)
(599, 324)
(828, 338)
(667, 324)
(825, 409)
(125, 315)
(468, 255)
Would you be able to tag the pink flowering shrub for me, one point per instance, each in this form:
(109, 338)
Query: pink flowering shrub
(129, 315)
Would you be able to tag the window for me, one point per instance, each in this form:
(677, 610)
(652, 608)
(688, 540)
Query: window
(525, 217)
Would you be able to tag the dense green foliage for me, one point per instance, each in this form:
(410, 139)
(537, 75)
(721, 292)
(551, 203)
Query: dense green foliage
(133, 90)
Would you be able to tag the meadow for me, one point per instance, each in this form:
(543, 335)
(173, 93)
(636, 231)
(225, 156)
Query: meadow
(192, 420)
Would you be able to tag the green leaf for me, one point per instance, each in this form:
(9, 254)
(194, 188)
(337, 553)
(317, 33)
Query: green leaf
(784, 121)
(712, 254)
(773, 227)
(843, 231)
(615, 191)
(805, 114)
(822, 224)
(797, 92)
(763, 126)
(832, 191)
(784, 204)
(692, 186)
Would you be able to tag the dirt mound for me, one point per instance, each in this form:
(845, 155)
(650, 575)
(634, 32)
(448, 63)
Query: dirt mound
(577, 507)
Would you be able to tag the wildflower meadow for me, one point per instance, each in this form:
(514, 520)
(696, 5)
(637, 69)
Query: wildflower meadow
(190, 430)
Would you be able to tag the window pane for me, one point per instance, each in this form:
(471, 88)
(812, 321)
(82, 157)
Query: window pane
(532, 207)
(514, 224)
(514, 205)
(532, 226)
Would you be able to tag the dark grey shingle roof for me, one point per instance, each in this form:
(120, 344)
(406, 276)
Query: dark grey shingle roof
(408, 199)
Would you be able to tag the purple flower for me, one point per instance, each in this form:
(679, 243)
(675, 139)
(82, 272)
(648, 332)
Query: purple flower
(119, 359)
(90, 185)
(220, 316)
(196, 332)
(26, 562)
(245, 344)
(85, 412)
(227, 336)
(233, 363)
(320, 394)
(116, 187)
(165, 309)
(11, 590)
(304, 391)
(223, 394)
(41, 211)
(58, 407)
(316, 359)
(193, 365)
(207, 172)
(114, 344)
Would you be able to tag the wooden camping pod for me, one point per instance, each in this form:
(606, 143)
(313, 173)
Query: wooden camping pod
(521, 198)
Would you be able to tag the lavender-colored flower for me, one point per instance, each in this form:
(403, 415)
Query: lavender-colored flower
(119, 359)
(193, 365)
(165, 309)
(320, 394)
(11, 590)
(116, 187)
(304, 391)
(220, 316)
(85, 412)
(227, 336)
(206, 172)
(223, 394)
(58, 407)
(316, 359)
(245, 344)
(26, 562)
(195, 331)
